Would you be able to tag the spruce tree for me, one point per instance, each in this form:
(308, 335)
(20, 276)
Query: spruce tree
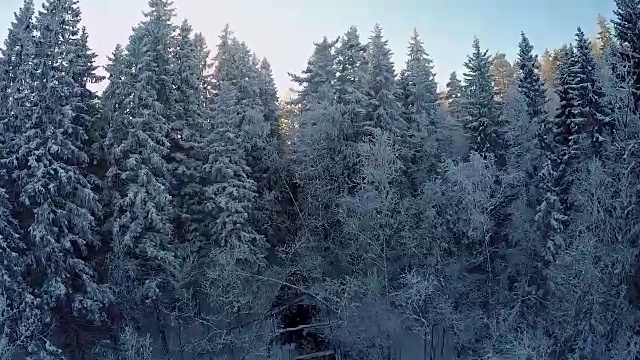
(351, 68)
(143, 246)
(627, 32)
(325, 140)
(269, 99)
(593, 117)
(238, 67)
(189, 114)
(13, 290)
(113, 99)
(419, 97)
(551, 219)
(565, 129)
(205, 64)
(480, 109)
(453, 96)
(16, 58)
(555, 177)
(384, 109)
(232, 194)
(83, 73)
(54, 203)
(531, 86)
(417, 84)
(319, 73)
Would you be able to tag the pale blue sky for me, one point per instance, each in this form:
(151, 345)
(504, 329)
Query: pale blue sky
(284, 30)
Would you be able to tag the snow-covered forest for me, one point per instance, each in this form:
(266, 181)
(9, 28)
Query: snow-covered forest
(186, 212)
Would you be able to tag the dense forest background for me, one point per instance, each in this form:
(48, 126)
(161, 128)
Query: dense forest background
(188, 213)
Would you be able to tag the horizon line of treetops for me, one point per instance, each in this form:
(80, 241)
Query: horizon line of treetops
(186, 212)
(503, 70)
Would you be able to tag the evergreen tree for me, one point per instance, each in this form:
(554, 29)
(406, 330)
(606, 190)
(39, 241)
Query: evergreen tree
(384, 110)
(627, 32)
(592, 115)
(114, 114)
(551, 218)
(269, 99)
(565, 130)
(274, 197)
(320, 150)
(54, 202)
(351, 98)
(418, 88)
(419, 97)
(454, 95)
(113, 99)
(531, 86)
(143, 246)
(205, 64)
(351, 67)
(328, 128)
(13, 290)
(481, 117)
(237, 66)
(232, 194)
(189, 114)
(188, 82)
(16, 59)
(87, 110)
(320, 72)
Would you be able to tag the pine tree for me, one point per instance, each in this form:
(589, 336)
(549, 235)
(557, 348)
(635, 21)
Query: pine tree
(384, 110)
(504, 74)
(481, 117)
(546, 69)
(454, 95)
(604, 37)
(592, 115)
(419, 97)
(319, 73)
